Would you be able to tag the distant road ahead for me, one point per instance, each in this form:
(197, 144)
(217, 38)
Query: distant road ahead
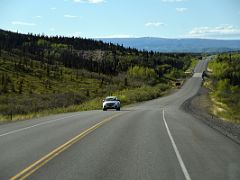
(151, 140)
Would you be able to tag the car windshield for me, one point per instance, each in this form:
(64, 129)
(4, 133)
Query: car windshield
(110, 99)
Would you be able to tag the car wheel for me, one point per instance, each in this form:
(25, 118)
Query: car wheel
(104, 109)
(118, 109)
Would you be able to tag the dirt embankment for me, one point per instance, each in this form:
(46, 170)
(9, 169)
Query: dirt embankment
(200, 105)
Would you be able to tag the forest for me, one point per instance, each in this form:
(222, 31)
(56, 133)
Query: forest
(41, 73)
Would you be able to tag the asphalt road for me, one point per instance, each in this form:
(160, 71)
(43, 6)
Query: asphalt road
(151, 140)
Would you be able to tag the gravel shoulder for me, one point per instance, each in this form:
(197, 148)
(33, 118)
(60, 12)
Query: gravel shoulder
(199, 106)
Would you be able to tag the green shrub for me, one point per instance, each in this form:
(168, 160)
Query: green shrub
(143, 73)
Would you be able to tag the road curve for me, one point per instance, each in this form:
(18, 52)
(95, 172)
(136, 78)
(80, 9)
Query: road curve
(151, 140)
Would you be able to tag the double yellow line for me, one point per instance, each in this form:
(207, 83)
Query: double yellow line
(41, 162)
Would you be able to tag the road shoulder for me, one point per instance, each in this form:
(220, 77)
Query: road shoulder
(199, 106)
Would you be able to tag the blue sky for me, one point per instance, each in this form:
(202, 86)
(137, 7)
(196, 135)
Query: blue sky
(218, 19)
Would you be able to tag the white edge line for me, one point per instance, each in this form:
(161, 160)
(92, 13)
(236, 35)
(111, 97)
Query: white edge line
(184, 169)
(39, 124)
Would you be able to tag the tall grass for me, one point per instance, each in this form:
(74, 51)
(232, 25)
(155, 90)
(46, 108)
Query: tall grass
(225, 86)
(127, 96)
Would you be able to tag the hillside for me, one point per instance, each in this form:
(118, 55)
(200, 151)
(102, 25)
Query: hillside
(59, 74)
(178, 45)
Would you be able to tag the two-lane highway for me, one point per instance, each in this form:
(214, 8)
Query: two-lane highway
(151, 140)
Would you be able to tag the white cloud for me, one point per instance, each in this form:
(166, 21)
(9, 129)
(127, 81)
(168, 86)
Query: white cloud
(181, 9)
(76, 34)
(89, 1)
(173, 1)
(53, 8)
(154, 24)
(21, 23)
(70, 16)
(222, 31)
(37, 17)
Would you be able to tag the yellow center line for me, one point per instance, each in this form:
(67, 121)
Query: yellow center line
(41, 162)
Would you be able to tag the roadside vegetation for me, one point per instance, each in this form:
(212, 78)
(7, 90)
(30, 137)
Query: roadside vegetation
(42, 75)
(225, 84)
(193, 64)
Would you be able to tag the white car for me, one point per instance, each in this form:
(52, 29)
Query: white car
(111, 102)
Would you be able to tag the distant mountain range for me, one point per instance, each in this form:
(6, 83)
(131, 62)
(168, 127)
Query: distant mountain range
(177, 45)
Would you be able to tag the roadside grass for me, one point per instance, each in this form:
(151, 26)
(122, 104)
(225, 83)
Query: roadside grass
(194, 62)
(127, 96)
(223, 78)
(224, 110)
(222, 107)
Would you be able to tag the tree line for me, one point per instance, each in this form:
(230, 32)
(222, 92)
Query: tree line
(89, 54)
